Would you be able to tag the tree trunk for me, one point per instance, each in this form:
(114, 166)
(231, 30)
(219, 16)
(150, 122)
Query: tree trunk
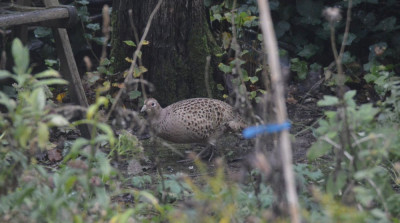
(180, 41)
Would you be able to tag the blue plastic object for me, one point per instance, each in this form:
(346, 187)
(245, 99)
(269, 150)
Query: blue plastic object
(252, 131)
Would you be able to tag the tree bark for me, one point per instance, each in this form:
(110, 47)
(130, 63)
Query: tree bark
(180, 41)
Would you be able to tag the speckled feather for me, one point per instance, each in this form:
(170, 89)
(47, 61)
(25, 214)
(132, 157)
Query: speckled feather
(196, 120)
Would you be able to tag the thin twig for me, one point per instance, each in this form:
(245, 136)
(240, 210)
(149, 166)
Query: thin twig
(281, 114)
(136, 35)
(135, 56)
(380, 195)
(344, 136)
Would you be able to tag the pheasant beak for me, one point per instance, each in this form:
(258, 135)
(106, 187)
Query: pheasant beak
(144, 108)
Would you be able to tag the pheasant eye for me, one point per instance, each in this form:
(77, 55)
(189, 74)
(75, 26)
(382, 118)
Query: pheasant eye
(153, 104)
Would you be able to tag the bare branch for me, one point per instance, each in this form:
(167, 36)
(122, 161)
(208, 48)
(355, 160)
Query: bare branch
(281, 114)
(135, 56)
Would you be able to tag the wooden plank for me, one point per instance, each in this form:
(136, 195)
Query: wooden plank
(68, 68)
(41, 15)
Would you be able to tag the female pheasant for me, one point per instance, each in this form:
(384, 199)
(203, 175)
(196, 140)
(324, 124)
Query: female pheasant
(196, 120)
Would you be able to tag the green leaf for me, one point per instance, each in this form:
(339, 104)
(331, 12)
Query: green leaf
(348, 96)
(70, 183)
(137, 71)
(226, 39)
(107, 129)
(220, 87)
(43, 134)
(318, 149)
(24, 135)
(350, 38)
(104, 165)
(41, 32)
(281, 28)
(134, 94)
(51, 81)
(123, 217)
(347, 58)
(370, 77)
(367, 112)
(8, 102)
(253, 94)
(93, 26)
(237, 61)
(50, 62)
(253, 79)
(21, 57)
(83, 2)
(260, 37)
(335, 184)
(47, 73)
(308, 51)
(38, 99)
(300, 67)
(387, 24)
(79, 143)
(328, 101)
(130, 43)
(315, 67)
(225, 68)
(4, 74)
(58, 120)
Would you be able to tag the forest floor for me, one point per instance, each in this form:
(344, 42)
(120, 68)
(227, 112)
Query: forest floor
(303, 114)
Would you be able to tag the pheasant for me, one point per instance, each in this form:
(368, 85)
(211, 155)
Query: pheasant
(196, 120)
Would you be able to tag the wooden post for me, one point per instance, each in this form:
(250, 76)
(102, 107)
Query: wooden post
(68, 67)
(22, 31)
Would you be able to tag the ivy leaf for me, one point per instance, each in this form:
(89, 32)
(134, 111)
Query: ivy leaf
(137, 71)
(281, 28)
(220, 87)
(253, 79)
(350, 38)
(308, 51)
(41, 32)
(387, 24)
(130, 43)
(134, 94)
(300, 67)
(370, 77)
(347, 58)
(226, 39)
(93, 26)
(225, 68)
(253, 94)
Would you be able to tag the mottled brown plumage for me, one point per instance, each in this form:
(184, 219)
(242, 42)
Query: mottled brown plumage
(196, 120)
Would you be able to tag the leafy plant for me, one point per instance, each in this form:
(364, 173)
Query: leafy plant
(360, 170)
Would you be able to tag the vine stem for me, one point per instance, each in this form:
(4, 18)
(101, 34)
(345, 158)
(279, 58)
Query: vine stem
(135, 57)
(271, 47)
